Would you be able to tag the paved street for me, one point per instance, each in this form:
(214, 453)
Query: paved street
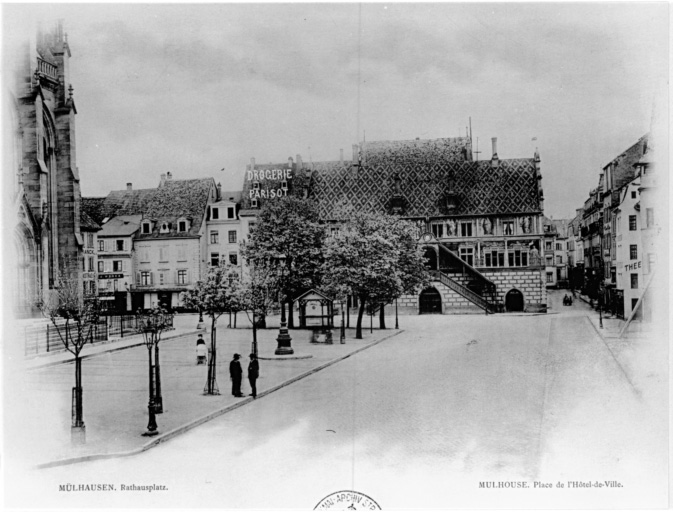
(418, 421)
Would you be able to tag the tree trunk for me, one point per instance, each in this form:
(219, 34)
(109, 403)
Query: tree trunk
(290, 316)
(211, 385)
(78, 420)
(235, 313)
(382, 317)
(358, 327)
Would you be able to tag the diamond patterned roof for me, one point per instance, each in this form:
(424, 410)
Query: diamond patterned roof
(511, 187)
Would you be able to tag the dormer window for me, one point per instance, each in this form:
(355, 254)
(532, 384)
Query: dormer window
(283, 184)
(164, 227)
(146, 228)
(183, 225)
(255, 185)
(216, 213)
(231, 212)
(253, 203)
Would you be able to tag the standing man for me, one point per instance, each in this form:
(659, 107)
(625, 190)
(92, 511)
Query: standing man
(236, 374)
(253, 373)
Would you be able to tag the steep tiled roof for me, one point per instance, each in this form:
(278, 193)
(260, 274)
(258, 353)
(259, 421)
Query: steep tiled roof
(231, 195)
(94, 208)
(511, 187)
(172, 200)
(624, 170)
(418, 152)
(123, 225)
(86, 223)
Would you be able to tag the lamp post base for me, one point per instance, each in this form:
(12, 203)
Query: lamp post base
(284, 344)
(150, 433)
(78, 435)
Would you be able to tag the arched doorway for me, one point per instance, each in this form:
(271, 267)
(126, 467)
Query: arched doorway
(514, 300)
(430, 256)
(430, 302)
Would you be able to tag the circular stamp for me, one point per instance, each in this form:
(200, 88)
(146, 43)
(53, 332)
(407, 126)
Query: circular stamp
(347, 500)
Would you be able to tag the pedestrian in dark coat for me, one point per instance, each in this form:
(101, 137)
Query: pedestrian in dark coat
(253, 373)
(236, 374)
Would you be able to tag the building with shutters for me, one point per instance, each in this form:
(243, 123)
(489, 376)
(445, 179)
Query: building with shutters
(224, 229)
(115, 261)
(170, 246)
(480, 222)
(89, 229)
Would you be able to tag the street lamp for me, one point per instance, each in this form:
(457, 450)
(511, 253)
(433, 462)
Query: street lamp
(149, 330)
(284, 340)
(600, 308)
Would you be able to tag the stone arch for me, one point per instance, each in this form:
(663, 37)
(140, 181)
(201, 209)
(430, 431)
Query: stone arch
(26, 282)
(514, 300)
(431, 254)
(430, 302)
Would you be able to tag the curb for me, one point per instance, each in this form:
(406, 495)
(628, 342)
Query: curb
(112, 349)
(161, 438)
(283, 358)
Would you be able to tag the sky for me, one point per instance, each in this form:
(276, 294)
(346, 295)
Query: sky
(199, 89)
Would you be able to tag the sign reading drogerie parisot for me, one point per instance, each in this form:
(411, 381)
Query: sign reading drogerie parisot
(268, 175)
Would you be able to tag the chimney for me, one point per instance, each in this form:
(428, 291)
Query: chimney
(129, 186)
(169, 176)
(219, 191)
(252, 164)
(163, 180)
(289, 163)
(299, 163)
(355, 153)
(494, 158)
(341, 156)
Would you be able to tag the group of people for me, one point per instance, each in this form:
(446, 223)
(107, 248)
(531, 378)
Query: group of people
(235, 370)
(567, 300)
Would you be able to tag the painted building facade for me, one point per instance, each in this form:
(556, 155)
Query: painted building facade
(479, 221)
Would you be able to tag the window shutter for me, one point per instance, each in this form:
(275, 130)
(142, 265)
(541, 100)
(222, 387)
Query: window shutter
(138, 278)
(187, 277)
(151, 277)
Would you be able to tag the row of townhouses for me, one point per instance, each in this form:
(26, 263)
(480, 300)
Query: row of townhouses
(615, 235)
(480, 223)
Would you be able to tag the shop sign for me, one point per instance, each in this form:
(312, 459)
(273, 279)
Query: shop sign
(89, 251)
(110, 276)
(633, 266)
(269, 174)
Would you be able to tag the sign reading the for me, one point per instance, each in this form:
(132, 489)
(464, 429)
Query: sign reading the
(633, 266)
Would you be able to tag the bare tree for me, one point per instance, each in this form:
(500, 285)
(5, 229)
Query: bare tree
(74, 317)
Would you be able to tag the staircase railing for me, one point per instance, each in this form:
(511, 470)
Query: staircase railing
(464, 291)
(477, 279)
